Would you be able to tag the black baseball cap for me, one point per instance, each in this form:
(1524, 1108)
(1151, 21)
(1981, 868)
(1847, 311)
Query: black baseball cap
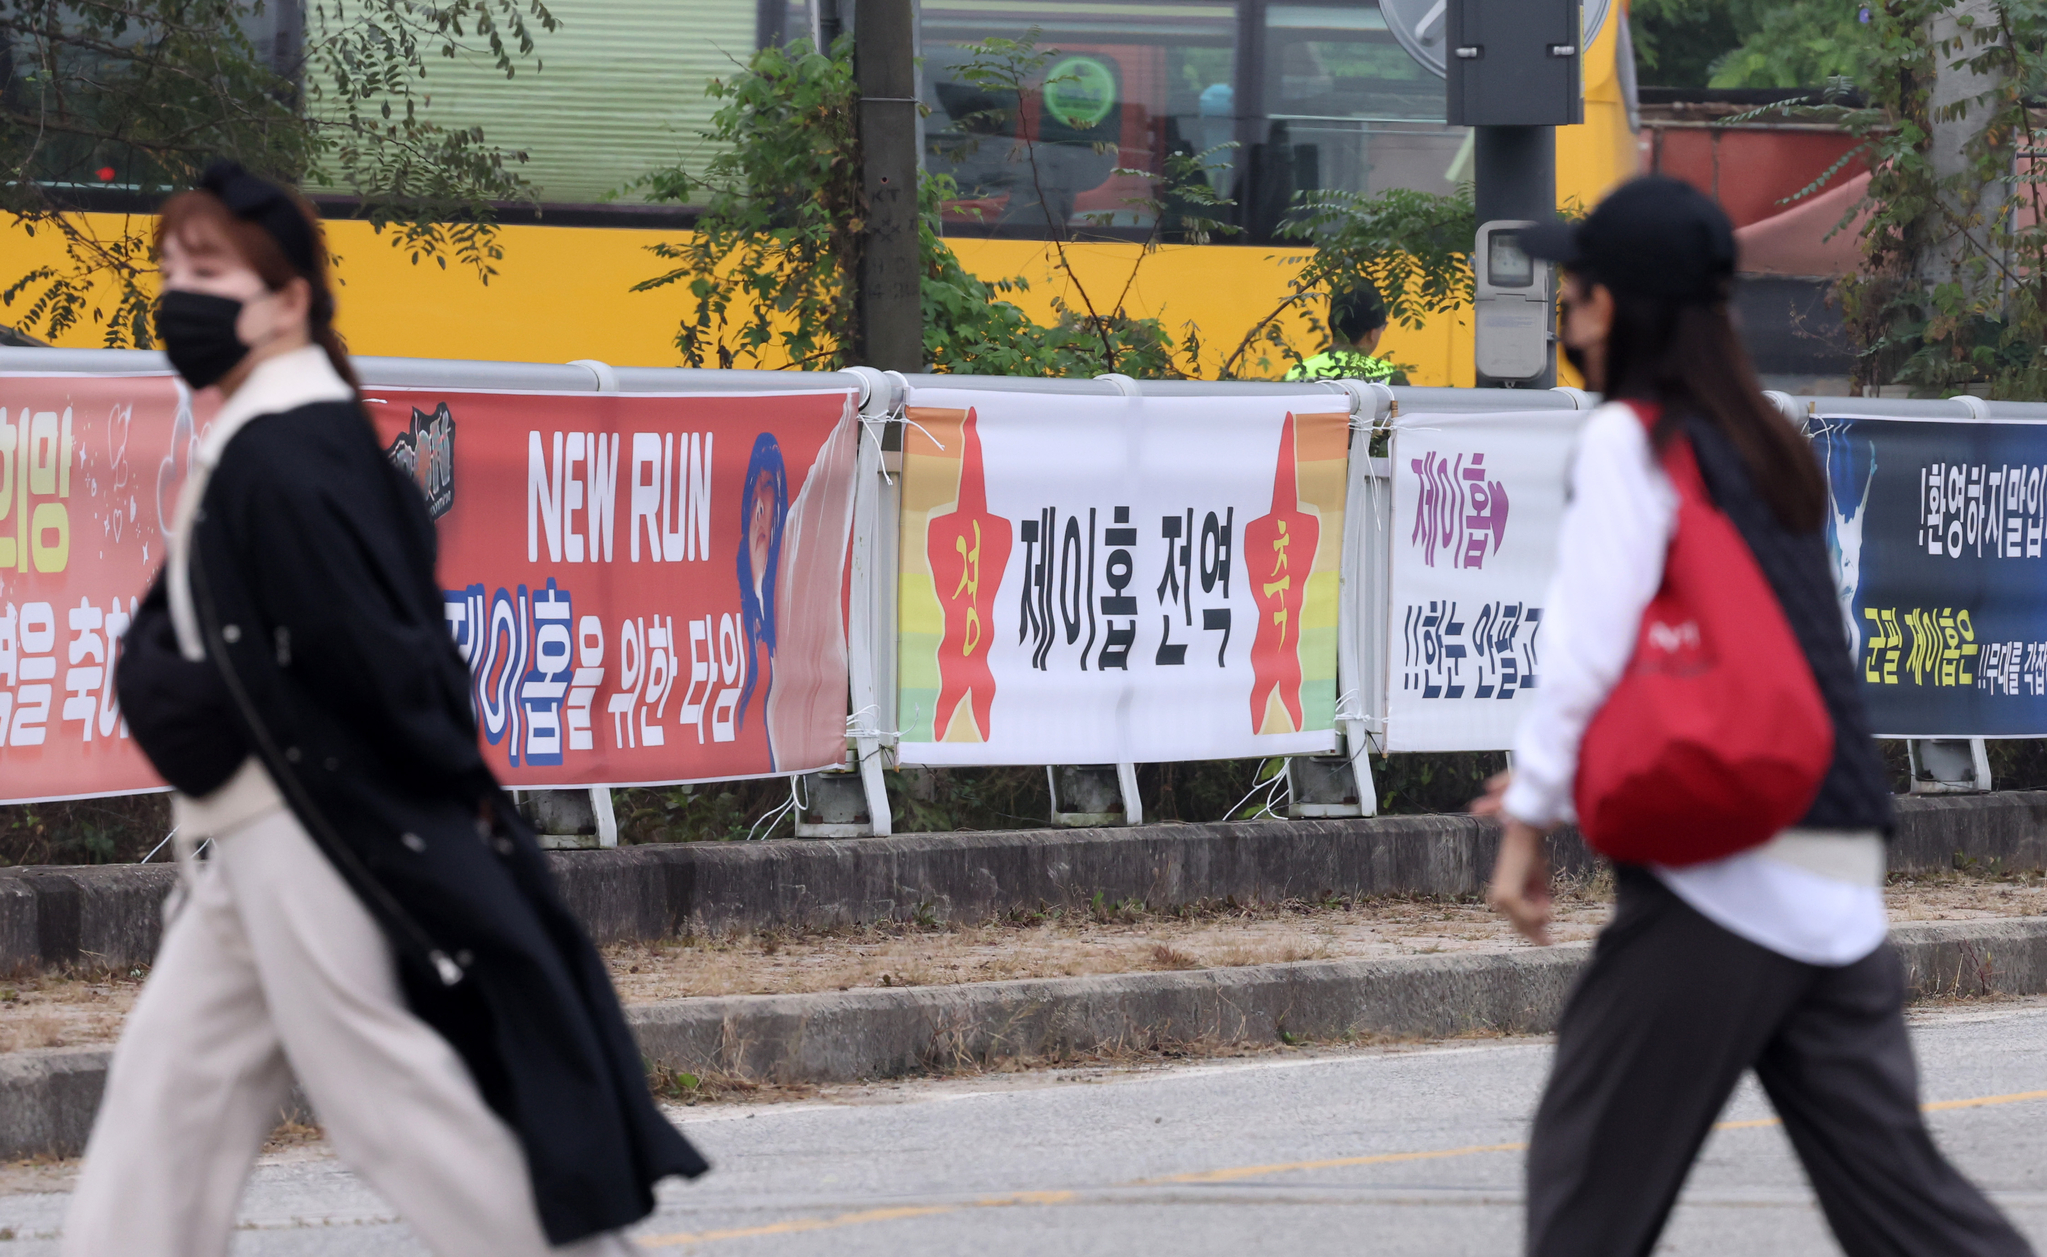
(1650, 237)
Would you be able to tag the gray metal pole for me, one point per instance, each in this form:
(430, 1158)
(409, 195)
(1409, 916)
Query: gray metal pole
(1514, 172)
(890, 316)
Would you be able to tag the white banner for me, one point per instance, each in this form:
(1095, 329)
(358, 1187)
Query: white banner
(1477, 501)
(1119, 579)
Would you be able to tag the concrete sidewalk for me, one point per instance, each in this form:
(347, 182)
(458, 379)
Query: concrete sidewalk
(48, 1097)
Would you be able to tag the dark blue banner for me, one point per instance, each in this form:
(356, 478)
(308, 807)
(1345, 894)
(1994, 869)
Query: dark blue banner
(1936, 534)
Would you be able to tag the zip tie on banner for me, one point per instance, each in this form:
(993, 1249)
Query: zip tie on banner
(867, 427)
(857, 729)
(159, 846)
(1349, 708)
(868, 424)
(1372, 494)
(1277, 781)
(774, 818)
(898, 415)
(921, 428)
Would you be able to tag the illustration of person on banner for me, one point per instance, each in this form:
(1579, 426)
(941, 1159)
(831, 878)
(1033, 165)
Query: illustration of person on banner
(373, 918)
(795, 648)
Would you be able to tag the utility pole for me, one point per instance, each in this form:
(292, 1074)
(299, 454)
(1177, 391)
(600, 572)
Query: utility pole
(1513, 76)
(1976, 201)
(887, 300)
(1514, 173)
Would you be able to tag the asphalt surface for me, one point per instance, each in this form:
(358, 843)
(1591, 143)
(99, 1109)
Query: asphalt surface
(1388, 1151)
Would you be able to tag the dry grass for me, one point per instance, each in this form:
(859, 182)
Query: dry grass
(678, 1087)
(1977, 891)
(1126, 938)
(65, 1008)
(1119, 938)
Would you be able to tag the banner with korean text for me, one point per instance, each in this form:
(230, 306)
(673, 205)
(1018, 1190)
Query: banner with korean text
(1936, 533)
(88, 481)
(647, 589)
(1477, 502)
(1119, 579)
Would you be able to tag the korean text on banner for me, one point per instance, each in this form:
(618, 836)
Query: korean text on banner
(647, 589)
(1119, 579)
(1477, 503)
(1936, 532)
(90, 467)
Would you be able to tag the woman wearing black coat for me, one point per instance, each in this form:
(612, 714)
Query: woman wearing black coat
(374, 918)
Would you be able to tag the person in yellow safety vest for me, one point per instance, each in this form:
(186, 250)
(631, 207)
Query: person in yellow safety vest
(1357, 319)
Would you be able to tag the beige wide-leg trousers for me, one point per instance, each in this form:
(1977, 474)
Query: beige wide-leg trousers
(271, 968)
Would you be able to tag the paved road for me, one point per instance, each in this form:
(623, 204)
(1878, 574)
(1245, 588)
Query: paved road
(1407, 1151)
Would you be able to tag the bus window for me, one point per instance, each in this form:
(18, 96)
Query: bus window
(1354, 111)
(1122, 85)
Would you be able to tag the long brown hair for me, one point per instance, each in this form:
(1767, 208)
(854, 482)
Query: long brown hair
(203, 223)
(1687, 357)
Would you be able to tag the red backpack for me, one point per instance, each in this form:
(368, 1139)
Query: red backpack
(1716, 737)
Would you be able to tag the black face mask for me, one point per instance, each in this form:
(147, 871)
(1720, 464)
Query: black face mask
(197, 332)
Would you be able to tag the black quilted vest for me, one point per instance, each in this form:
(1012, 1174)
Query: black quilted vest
(1856, 792)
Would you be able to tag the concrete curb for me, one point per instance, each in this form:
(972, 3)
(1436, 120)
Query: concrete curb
(109, 914)
(47, 1100)
(2005, 830)
(842, 1036)
(48, 1097)
(659, 890)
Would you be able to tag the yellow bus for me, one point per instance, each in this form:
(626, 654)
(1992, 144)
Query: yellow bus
(1314, 96)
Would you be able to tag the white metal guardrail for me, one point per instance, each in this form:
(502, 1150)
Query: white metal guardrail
(1365, 647)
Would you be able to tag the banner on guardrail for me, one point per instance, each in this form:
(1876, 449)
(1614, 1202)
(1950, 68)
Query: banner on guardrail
(1936, 532)
(1114, 579)
(646, 588)
(87, 485)
(1477, 502)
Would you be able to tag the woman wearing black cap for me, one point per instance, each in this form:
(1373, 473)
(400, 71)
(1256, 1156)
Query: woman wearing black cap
(1772, 959)
(374, 919)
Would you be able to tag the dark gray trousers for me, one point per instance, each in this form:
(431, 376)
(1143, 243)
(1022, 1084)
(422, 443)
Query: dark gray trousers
(1659, 1029)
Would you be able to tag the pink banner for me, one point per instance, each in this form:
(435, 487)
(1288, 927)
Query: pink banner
(647, 589)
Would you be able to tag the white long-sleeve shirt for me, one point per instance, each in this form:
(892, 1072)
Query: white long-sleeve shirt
(1814, 896)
